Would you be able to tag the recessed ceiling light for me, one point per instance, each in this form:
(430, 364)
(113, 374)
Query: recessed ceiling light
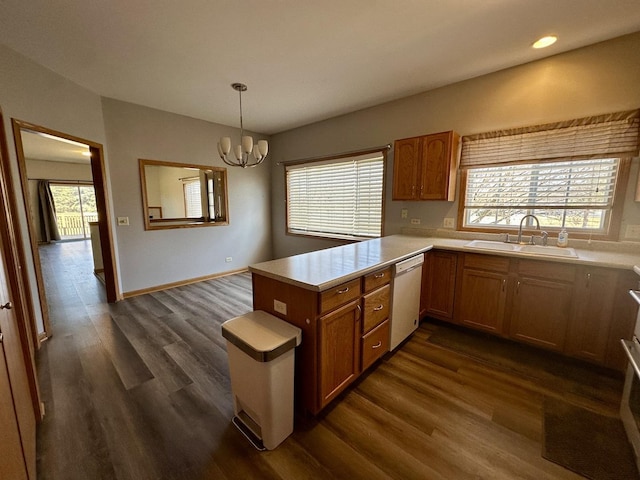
(545, 41)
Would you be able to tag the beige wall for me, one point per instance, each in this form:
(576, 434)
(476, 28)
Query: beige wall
(597, 79)
(37, 95)
(135, 132)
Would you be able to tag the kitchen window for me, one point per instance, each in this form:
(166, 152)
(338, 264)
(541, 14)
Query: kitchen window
(337, 197)
(569, 175)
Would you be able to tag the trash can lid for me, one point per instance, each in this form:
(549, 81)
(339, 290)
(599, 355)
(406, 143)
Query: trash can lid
(261, 335)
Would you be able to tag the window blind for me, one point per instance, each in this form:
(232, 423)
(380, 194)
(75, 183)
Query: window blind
(340, 197)
(192, 201)
(560, 185)
(604, 136)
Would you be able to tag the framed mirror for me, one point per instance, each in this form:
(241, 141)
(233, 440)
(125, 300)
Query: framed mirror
(182, 195)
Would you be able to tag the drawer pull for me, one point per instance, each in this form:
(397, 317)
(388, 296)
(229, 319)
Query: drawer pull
(379, 275)
(377, 345)
(344, 290)
(378, 308)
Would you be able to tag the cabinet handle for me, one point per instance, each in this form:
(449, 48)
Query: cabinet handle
(378, 275)
(1, 337)
(359, 308)
(344, 290)
(504, 284)
(377, 345)
(378, 308)
(588, 279)
(518, 287)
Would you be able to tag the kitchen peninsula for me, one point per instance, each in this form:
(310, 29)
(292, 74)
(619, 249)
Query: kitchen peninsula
(340, 298)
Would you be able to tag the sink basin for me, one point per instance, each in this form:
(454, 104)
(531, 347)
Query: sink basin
(489, 245)
(552, 251)
(530, 249)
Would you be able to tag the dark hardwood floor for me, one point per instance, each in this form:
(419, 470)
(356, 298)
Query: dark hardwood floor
(140, 390)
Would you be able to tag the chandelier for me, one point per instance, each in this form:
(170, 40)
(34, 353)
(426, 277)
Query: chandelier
(247, 155)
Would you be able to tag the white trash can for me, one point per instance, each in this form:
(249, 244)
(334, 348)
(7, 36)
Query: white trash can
(261, 351)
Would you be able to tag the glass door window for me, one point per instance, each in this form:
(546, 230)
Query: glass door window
(75, 208)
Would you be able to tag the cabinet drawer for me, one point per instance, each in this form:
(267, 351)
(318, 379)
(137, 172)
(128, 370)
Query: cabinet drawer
(486, 262)
(375, 307)
(375, 344)
(553, 271)
(375, 279)
(334, 297)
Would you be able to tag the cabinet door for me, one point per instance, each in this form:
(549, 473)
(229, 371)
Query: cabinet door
(482, 300)
(406, 159)
(438, 284)
(438, 166)
(541, 310)
(592, 313)
(340, 334)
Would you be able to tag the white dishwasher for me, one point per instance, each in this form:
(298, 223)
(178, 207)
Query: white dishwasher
(405, 302)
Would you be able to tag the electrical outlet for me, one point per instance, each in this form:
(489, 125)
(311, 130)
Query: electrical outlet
(405, 212)
(449, 222)
(228, 259)
(415, 221)
(633, 232)
(123, 220)
(279, 306)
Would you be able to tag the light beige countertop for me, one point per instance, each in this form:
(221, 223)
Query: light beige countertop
(623, 257)
(324, 269)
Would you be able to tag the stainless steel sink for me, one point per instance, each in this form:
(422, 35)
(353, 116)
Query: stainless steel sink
(539, 250)
(489, 245)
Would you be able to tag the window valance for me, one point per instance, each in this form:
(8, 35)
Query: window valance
(602, 136)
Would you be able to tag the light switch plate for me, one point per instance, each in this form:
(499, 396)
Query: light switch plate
(404, 212)
(415, 221)
(449, 222)
(123, 220)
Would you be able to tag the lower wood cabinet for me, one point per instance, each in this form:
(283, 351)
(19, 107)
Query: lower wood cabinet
(375, 344)
(345, 329)
(438, 284)
(482, 292)
(577, 310)
(339, 342)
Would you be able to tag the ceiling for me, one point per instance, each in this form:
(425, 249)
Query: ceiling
(39, 146)
(303, 60)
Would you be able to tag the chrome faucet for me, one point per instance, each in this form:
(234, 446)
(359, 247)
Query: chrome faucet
(522, 221)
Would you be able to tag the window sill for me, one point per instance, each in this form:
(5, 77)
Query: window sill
(328, 236)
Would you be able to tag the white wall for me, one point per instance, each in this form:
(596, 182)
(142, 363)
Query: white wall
(35, 94)
(601, 78)
(157, 257)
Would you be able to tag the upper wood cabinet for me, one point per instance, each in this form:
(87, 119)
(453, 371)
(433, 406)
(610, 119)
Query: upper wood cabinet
(425, 167)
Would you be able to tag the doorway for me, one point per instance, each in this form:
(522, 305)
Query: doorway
(91, 194)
